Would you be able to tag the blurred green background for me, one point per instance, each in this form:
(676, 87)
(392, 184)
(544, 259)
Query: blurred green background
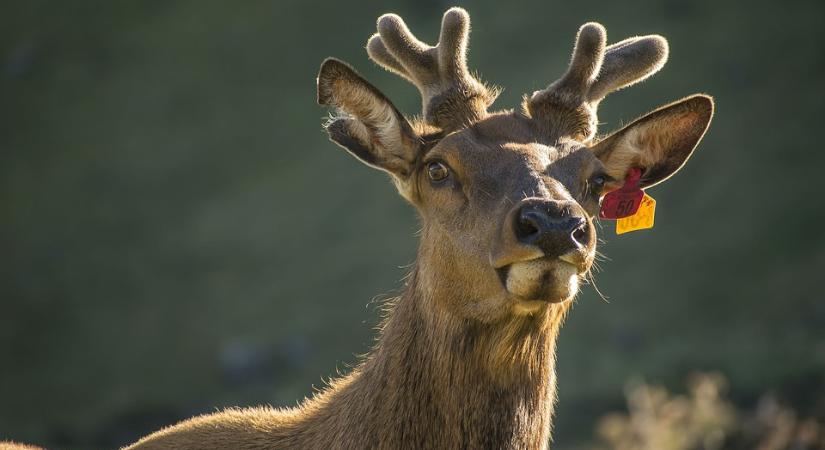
(178, 235)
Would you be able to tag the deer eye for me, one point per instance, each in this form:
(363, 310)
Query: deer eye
(437, 171)
(596, 183)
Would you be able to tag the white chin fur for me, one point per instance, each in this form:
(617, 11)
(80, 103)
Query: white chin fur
(541, 279)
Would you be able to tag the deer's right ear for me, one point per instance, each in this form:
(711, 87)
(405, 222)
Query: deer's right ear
(369, 126)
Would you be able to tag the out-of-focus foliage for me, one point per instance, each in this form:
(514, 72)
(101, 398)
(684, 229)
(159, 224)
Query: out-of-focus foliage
(177, 234)
(705, 419)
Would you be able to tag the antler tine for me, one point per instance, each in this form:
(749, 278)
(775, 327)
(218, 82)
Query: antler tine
(452, 45)
(451, 97)
(629, 62)
(379, 53)
(588, 54)
(595, 71)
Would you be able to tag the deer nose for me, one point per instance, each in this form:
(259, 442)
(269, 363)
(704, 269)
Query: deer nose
(554, 227)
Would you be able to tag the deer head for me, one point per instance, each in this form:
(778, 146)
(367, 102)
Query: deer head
(507, 199)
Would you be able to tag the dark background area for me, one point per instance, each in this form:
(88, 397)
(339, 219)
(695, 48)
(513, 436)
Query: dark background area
(178, 235)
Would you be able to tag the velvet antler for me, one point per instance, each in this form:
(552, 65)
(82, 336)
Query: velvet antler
(451, 96)
(595, 71)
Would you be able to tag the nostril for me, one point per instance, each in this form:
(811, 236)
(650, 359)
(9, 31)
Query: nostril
(527, 225)
(579, 234)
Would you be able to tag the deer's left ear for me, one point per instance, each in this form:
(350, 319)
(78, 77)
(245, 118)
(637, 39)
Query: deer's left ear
(659, 143)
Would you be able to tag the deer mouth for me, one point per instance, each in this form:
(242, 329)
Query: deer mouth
(545, 279)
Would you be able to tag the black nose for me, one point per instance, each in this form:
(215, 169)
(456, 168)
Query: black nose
(552, 226)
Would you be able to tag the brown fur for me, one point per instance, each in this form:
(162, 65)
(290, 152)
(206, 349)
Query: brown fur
(433, 381)
(7, 445)
(466, 355)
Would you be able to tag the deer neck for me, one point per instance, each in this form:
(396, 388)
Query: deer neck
(441, 381)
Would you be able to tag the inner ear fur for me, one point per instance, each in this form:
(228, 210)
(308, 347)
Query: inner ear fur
(369, 126)
(659, 143)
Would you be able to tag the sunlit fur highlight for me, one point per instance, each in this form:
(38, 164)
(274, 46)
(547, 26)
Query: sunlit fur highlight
(8, 445)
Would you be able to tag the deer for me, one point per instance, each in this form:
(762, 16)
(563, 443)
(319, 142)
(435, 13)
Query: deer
(507, 201)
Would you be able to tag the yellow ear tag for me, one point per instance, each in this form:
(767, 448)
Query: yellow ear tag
(643, 218)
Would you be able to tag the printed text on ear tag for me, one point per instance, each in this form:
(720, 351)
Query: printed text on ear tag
(643, 218)
(623, 202)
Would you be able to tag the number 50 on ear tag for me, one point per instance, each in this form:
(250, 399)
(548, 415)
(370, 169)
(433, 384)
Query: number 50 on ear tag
(641, 220)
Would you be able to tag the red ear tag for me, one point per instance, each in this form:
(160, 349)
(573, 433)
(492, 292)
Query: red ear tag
(625, 201)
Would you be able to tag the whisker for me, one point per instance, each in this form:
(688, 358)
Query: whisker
(592, 281)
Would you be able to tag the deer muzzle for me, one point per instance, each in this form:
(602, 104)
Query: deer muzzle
(543, 246)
